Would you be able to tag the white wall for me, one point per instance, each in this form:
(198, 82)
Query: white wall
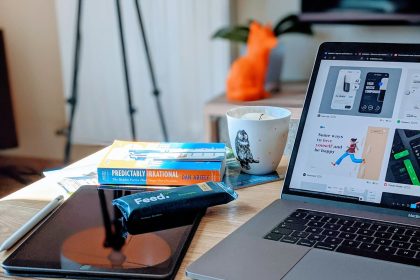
(301, 50)
(190, 67)
(35, 76)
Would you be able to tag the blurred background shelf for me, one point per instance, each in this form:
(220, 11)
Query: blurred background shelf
(291, 96)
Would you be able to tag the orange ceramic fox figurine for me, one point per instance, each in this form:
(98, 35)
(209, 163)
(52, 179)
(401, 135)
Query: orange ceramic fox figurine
(246, 77)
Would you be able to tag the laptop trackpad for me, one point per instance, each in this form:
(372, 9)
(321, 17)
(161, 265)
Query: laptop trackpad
(325, 265)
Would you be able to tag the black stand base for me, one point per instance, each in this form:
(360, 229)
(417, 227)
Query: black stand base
(18, 173)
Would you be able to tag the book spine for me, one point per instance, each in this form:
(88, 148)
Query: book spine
(122, 176)
(181, 177)
(156, 177)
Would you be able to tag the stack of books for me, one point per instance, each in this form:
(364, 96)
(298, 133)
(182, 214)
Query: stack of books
(162, 164)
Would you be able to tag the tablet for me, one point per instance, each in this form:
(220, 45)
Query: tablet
(86, 237)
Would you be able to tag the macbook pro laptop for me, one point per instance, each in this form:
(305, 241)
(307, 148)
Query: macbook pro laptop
(350, 204)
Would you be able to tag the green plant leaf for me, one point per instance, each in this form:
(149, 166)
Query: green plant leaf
(233, 33)
(240, 33)
(292, 24)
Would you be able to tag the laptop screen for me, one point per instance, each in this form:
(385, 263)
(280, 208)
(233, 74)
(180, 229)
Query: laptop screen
(359, 139)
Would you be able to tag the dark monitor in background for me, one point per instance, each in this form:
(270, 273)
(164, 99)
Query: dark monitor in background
(8, 137)
(373, 12)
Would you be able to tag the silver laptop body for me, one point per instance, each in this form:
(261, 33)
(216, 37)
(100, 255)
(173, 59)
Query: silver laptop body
(350, 205)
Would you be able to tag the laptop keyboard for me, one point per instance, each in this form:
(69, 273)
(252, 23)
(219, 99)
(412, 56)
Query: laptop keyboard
(350, 235)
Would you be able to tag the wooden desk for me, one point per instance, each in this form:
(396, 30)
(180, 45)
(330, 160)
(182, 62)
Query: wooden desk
(219, 221)
(292, 97)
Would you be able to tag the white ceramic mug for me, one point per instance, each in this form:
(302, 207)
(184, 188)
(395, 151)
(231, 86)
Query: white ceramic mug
(258, 136)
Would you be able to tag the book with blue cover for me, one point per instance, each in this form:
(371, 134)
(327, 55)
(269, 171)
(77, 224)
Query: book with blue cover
(154, 163)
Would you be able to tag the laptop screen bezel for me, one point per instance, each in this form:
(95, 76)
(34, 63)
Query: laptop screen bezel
(334, 47)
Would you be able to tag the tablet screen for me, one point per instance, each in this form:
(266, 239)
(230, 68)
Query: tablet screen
(86, 235)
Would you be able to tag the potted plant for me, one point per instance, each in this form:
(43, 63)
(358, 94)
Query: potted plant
(289, 24)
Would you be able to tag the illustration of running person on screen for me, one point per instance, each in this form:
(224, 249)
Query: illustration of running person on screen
(351, 150)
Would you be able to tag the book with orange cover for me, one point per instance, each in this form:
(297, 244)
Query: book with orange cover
(154, 163)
